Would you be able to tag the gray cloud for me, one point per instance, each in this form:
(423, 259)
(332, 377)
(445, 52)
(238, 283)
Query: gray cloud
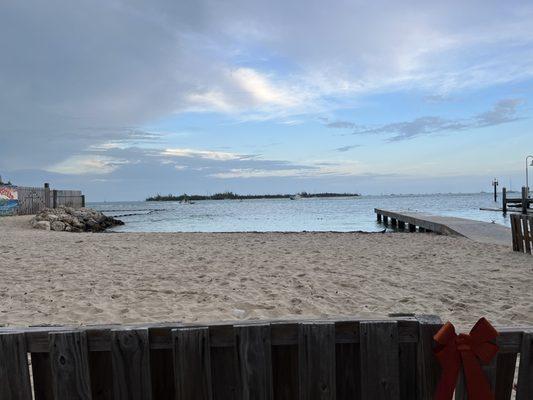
(504, 111)
(341, 125)
(76, 76)
(347, 148)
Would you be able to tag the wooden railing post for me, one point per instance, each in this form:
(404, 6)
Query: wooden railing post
(54, 195)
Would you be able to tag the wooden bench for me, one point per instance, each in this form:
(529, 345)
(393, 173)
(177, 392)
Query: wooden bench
(309, 359)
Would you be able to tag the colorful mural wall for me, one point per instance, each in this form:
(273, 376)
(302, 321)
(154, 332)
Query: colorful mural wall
(8, 200)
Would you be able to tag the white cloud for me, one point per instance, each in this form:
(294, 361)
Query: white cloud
(206, 154)
(83, 165)
(261, 173)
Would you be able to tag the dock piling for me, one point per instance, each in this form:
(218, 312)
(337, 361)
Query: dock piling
(525, 200)
(504, 200)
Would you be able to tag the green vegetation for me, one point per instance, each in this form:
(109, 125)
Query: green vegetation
(234, 196)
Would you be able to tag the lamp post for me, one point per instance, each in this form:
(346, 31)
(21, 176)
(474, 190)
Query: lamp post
(527, 176)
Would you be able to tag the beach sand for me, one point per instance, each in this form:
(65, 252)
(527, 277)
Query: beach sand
(85, 278)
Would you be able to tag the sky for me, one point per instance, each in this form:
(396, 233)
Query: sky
(125, 99)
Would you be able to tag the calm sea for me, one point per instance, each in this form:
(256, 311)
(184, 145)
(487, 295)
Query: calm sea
(335, 214)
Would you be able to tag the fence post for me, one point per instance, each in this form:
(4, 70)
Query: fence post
(54, 195)
(47, 195)
(524, 200)
(83, 200)
(504, 200)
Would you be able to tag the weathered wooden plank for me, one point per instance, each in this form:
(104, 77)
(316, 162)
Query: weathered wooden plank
(380, 375)
(408, 375)
(254, 362)
(192, 363)
(525, 371)
(70, 365)
(130, 356)
(284, 332)
(285, 372)
(316, 355)
(518, 238)
(101, 375)
(42, 376)
(505, 370)
(347, 364)
(527, 241)
(347, 371)
(162, 374)
(224, 373)
(14, 369)
(428, 369)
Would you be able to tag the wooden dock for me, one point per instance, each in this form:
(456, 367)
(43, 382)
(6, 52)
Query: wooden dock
(483, 232)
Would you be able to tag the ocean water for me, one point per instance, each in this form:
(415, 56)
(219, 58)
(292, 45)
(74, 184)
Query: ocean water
(317, 214)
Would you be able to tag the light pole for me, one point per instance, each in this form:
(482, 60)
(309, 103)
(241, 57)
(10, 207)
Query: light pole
(527, 176)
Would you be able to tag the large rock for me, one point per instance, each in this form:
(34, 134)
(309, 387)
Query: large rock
(58, 226)
(44, 225)
(73, 220)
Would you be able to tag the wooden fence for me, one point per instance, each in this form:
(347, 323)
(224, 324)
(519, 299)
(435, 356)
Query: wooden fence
(31, 200)
(341, 359)
(522, 228)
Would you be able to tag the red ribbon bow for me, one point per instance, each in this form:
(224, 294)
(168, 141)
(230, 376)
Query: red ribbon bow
(468, 350)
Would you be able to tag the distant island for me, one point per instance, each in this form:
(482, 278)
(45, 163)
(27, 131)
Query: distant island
(234, 196)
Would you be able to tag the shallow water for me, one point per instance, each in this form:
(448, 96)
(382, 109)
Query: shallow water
(317, 214)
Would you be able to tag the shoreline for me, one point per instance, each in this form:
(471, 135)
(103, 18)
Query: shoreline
(89, 278)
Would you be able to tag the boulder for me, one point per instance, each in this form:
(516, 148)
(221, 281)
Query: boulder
(58, 226)
(73, 220)
(44, 225)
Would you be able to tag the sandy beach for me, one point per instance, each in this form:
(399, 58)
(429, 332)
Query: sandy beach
(84, 278)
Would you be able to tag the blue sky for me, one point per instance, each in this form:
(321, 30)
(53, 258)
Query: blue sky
(124, 99)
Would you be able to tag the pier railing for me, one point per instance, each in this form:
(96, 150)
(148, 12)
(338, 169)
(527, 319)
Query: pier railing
(327, 359)
(522, 228)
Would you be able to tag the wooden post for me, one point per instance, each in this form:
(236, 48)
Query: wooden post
(14, 373)
(54, 196)
(47, 195)
(401, 225)
(385, 220)
(524, 200)
(504, 200)
(379, 217)
(495, 184)
(316, 359)
(82, 200)
(412, 228)
(380, 374)
(393, 222)
(525, 372)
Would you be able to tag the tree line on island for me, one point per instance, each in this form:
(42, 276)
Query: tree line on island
(234, 196)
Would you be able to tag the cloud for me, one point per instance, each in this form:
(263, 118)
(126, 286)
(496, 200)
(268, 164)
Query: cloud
(504, 111)
(205, 154)
(347, 148)
(89, 164)
(341, 125)
(76, 77)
